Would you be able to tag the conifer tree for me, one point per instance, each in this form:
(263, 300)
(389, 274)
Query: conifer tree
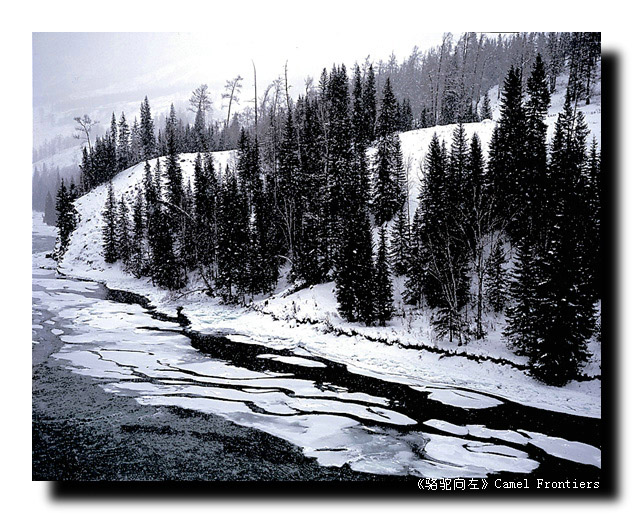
(233, 239)
(481, 227)
(431, 207)
(166, 268)
(109, 230)
(124, 151)
(508, 154)
(87, 172)
(355, 279)
(383, 285)
(369, 106)
(310, 260)
(147, 137)
(389, 189)
(340, 160)
(137, 250)
(205, 191)
(561, 303)
(67, 217)
(124, 243)
(114, 139)
(425, 118)
(188, 230)
(535, 183)
(485, 111)
(496, 281)
(406, 117)
(358, 114)
(135, 143)
(593, 203)
(173, 172)
(265, 267)
(522, 321)
(400, 242)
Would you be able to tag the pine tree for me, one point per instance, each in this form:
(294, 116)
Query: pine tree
(136, 154)
(205, 191)
(389, 190)
(265, 267)
(383, 297)
(187, 233)
(387, 122)
(109, 230)
(431, 208)
(425, 118)
(563, 307)
(147, 138)
(481, 226)
(355, 277)
(522, 320)
(340, 161)
(358, 114)
(406, 117)
(496, 281)
(125, 153)
(535, 183)
(114, 139)
(369, 107)
(310, 260)
(451, 110)
(173, 172)
(137, 250)
(233, 239)
(67, 217)
(124, 243)
(508, 154)
(457, 172)
(87, 172)
(593, 203)
(400, 242)
(485, 111)
(165, 266)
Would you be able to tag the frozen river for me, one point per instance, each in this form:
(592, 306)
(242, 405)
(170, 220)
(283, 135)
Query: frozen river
(337, 420)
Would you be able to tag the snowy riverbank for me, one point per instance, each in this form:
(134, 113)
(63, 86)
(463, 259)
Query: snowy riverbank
(294, 322)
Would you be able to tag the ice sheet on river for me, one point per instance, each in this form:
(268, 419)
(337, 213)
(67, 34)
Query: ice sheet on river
(133, 354)
(152, 361)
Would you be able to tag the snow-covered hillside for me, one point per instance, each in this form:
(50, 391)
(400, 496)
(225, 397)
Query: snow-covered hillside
(307, 321)
(68, 157)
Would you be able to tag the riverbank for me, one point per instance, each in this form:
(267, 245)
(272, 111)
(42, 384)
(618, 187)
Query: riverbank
(395, 353)
(83, 432)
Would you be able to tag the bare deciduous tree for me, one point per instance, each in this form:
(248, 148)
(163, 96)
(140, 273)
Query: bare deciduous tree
(200, 101)
(83, 128)
(232, 90)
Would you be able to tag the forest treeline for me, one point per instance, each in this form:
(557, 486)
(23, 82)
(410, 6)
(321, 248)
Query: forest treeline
(516, 233)
(446, 84)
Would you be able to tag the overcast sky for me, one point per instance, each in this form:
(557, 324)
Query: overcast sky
(98, 73)
(75, 65)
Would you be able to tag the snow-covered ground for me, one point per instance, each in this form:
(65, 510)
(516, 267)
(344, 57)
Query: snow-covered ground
(68, 157)
(137, 355)
(307, 322)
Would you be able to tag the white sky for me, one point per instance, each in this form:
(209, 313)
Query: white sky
(67, 65)
(101, 73)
